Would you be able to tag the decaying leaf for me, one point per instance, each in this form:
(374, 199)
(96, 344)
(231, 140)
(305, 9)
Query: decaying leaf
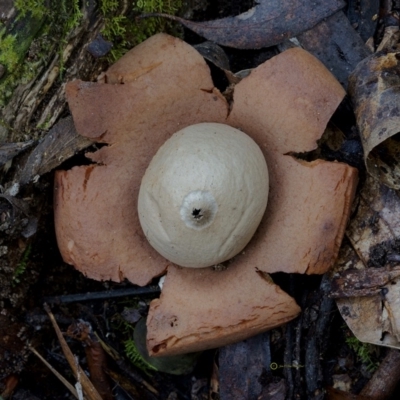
(216, 55)
(267, 24)
(156, 89)
(366, 276)
(374, 88)
(213, 53)
(336, 44)
(61, 143)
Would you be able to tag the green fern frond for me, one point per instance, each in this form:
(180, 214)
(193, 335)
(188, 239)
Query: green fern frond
(23, 263)
(135, 358)
(364, 352)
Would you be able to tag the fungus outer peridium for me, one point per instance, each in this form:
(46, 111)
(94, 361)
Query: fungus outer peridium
(203, 195)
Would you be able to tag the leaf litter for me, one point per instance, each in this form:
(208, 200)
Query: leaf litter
(369, 288)
(266, 24)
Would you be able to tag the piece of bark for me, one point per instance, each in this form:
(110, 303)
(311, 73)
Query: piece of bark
(364, 282)
(9, 150)
(316, 341)
(61, 143)
(266, 24)
(241, 367)
(374, 91)
(336, 44)
(363, 16)
(385, 379)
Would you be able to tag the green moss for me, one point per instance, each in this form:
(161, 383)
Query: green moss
(36, 18)
(57, 18)
(126, 32)
(8, 54)
(36, 8)
(12, 52)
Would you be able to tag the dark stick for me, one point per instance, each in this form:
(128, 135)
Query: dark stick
(107, 294)
(386, 377)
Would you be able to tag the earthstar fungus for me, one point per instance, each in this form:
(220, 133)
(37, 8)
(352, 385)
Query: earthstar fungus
(158, 88)
(203, 195)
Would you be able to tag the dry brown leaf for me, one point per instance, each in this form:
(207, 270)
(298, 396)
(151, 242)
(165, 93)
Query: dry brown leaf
(368, 270)
(374, 89)
(266, 24)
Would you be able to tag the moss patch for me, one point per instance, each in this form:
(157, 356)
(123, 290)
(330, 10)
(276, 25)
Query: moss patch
(126, 31)
(44, 20)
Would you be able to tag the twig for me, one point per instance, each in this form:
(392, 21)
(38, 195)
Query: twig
(88, 388)
(136, 377)
(107, 294)
(95, 356)
(54, 371)
(385, 379)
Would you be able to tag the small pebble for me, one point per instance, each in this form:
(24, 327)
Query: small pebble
(99, 47)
